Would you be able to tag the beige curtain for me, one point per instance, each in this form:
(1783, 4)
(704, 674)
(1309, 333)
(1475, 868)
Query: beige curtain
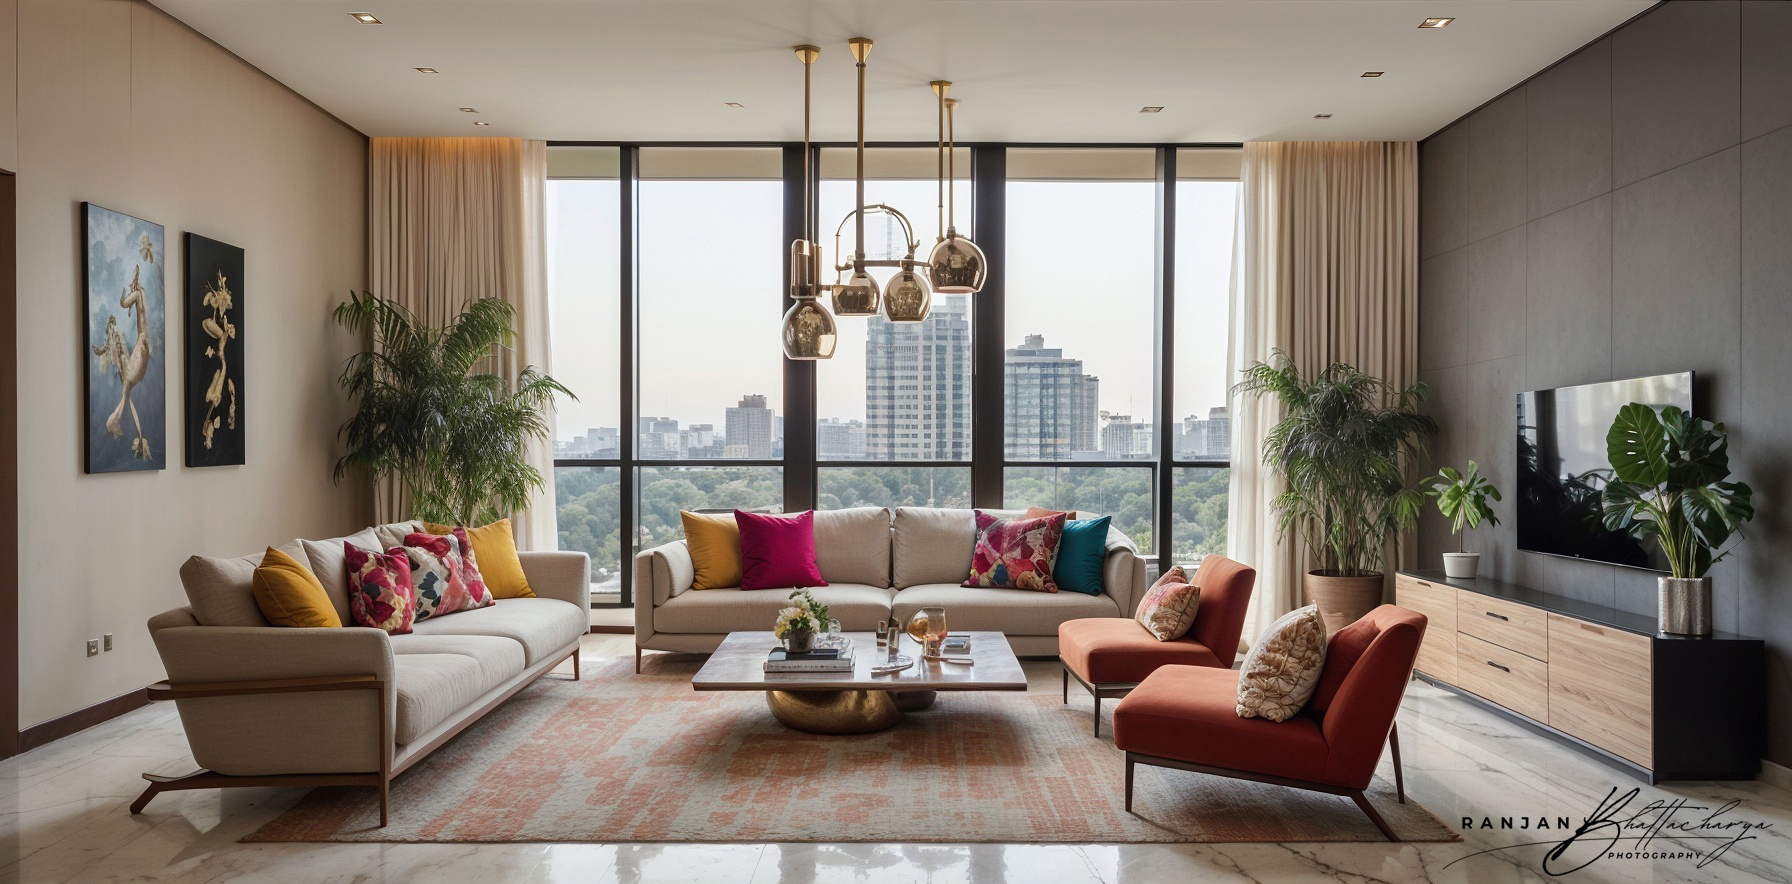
(1326, 268)
(451, 220)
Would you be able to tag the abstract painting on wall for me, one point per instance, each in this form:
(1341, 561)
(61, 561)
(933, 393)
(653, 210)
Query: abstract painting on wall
(214, 342)
(125, 357)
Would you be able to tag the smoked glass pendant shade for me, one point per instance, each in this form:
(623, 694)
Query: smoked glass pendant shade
(957, 265)
(805, 268)
(907, 297)
(809, 331)
(857, 297)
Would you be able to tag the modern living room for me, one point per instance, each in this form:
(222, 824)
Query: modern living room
(1307, 440)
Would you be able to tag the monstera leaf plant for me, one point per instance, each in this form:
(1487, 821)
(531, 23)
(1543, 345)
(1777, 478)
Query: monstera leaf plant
(1669, 485)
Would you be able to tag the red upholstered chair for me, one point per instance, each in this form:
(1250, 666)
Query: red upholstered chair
(1109, 656)
(1186, 717)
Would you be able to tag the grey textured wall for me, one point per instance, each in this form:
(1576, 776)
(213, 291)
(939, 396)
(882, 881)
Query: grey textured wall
(1627, 212)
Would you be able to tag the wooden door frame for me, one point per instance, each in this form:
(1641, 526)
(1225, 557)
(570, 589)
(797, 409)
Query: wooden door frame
(9, 468)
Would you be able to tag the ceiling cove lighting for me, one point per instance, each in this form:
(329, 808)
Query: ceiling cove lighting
(1373, 74)
(365, 18)
(427, 70)
(1152, 109)
(808, 331)
(1435, 23)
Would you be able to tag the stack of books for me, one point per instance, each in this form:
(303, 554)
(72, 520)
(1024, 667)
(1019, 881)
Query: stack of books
(822, 660)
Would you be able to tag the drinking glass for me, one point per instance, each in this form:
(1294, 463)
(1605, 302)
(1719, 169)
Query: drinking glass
(927, 627)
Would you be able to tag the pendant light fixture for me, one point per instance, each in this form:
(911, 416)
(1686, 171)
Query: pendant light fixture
(957, 265)
(859, 295)
(809, 331)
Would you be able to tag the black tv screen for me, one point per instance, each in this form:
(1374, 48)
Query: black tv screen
(1562, 466)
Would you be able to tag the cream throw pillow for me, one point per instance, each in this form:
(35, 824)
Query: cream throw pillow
(1283, 668)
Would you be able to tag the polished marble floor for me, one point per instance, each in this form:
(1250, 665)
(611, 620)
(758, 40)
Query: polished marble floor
(64, 818)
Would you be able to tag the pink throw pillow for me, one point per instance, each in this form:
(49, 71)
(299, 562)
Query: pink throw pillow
(380, 593)
(1016, 553)
(778, 552)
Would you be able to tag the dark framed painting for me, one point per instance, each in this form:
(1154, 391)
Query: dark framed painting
(214, 342)
(125, 357)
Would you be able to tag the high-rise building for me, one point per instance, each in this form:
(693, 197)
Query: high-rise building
(1052, 409)
(748, 429)
(839, 440)
(918, 385)
(1124, 438)
(1209, 438)
(659, 439)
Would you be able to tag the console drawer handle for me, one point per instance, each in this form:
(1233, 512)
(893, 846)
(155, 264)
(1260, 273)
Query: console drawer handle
(1499, 616)
(1498, 666)
(1592, 629)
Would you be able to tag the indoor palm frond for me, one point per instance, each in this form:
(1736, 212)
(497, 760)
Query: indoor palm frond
(1342, 445)
(457, 439)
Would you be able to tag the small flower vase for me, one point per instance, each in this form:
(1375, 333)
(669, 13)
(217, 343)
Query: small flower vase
(799, 642)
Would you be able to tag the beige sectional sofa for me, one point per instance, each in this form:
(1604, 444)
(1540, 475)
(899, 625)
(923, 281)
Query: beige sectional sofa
(265, 705)
(878, 564)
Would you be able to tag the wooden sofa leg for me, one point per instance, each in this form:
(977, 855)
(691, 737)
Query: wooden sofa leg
(1369, 809)
(637, 659)
(148, 795)
(575, 664)
(1399, 772)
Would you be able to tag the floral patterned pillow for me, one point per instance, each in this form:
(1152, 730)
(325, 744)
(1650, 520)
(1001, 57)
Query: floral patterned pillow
(1016, 553)
(379, 589)
(1283, 667)
(1168, 609)
(444, 573)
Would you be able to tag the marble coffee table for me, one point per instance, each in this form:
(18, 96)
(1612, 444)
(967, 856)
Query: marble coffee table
(857, 702)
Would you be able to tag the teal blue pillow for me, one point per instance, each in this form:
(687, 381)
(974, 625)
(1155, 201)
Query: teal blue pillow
(1080, 554)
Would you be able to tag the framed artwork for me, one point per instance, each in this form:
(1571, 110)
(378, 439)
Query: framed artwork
(214, 342)
(125, 358)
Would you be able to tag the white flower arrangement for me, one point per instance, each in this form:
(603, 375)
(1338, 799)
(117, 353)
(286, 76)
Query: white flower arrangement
(805, 615)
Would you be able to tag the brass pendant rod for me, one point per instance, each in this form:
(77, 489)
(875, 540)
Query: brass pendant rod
(939, 154)
(951, 162)
(808, 197)
(859, 228)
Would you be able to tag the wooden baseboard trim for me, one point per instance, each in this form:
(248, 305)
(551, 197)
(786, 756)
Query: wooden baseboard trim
(611, 629)
(1776, 775)
(81, 719)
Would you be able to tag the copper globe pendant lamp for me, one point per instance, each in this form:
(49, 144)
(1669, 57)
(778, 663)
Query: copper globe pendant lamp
(809, 332)
(957, 265)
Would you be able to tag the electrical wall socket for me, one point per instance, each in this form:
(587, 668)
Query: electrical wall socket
(108, 644)
(93, 647)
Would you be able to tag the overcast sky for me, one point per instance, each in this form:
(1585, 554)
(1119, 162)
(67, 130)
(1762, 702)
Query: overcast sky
(1079, 272)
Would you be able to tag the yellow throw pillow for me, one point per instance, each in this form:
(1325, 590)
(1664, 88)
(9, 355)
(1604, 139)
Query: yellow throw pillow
(494, 549)
(290, 595)
(714, 542)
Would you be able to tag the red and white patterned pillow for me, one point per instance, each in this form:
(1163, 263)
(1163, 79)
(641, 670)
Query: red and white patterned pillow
(1016, 553)
(444, 574)
(379, 589)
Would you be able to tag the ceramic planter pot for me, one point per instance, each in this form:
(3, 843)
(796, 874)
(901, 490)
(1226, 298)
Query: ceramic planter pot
(1461, 565)
(1343, 600)
(798, 642)
(1685, 605)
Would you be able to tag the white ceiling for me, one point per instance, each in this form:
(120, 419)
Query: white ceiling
(1070, 71)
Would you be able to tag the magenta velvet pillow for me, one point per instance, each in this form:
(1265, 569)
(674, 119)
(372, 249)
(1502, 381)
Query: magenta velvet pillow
(777, 552)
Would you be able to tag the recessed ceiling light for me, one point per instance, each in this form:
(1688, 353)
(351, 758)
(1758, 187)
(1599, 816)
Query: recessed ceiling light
(469, 110)
(1322, 116)
(1151, 110)
(1373, 74)
(733, 104)
(480, 123)
(427, 71)
(365, 18)
(1436, 22)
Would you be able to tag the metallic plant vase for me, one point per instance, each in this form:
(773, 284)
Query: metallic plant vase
(799, 642)
(1686, 605)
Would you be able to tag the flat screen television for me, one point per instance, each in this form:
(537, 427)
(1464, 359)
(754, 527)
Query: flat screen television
(1562, 466)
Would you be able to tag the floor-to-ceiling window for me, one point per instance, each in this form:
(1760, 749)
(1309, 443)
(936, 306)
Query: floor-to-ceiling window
(894, 405)
(666, 287)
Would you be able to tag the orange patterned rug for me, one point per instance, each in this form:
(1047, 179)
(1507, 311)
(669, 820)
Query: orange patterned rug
(620, 757)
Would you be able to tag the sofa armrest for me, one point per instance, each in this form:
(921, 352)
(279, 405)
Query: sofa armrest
(281, 733)
(664, 572)
(559, 574)
(1123, 579)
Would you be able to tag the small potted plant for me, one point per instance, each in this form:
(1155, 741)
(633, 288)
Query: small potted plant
(1462, 498)
(1668, 484)
(798, 624)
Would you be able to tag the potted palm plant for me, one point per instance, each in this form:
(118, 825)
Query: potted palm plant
(1668, 485)
(453, 434)
(1462, 498)
(1342, 445)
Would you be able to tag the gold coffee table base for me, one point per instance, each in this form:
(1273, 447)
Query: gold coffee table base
(845, 712)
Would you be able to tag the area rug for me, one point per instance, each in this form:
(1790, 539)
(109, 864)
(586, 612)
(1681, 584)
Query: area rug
(620, 757)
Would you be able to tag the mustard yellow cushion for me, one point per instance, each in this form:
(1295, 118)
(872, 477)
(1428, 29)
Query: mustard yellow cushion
(714, 541)
(289, 594)
(494, 549)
